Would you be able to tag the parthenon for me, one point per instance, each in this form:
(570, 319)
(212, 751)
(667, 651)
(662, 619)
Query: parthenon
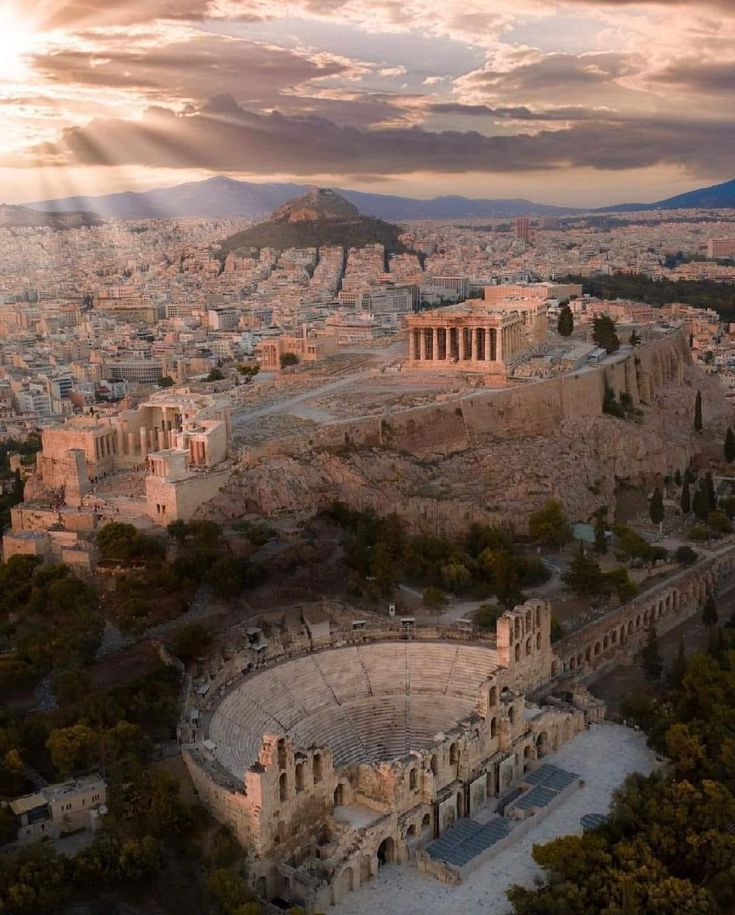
(469, 337)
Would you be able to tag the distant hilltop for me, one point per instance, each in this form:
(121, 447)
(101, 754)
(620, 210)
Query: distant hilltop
(20, 217)
(319, 217)
(318, 203)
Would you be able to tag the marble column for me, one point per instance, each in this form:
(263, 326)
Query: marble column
(143, 442)
(435, 344)
(422, 344)
(412, 344)
(460, 343)
(475, 344)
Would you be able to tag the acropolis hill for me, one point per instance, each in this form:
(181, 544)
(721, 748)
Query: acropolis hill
(443, 453)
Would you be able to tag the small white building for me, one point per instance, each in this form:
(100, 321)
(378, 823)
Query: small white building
(62, 808)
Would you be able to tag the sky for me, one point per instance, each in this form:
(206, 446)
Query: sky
(577, 102)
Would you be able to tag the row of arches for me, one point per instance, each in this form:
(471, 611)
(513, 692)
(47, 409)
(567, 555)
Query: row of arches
(304, 776)
(692, 594)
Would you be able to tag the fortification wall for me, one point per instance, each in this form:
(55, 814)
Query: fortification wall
(542, 406)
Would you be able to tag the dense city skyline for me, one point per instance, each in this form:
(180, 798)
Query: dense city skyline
(574, 102)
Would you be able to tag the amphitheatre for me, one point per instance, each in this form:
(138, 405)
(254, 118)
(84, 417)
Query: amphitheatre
(347, 748)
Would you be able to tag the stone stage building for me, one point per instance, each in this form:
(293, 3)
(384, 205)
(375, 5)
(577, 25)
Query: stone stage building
(469, 337)
(346, 748)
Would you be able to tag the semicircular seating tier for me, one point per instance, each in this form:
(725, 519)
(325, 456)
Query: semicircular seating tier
(375, 701)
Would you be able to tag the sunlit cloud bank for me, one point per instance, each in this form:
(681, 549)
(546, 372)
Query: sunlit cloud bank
(599, 96)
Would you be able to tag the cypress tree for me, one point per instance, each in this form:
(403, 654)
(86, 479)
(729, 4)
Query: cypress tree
(686, 499)
(678, 666)
(698, 412)
(711, 495)
(600, 533)
(565, 324)
(700, 503)
(656, 506)
(729, 446)
(651, 656)
(709, 611)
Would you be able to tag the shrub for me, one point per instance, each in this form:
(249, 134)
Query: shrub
(686, 555)
(434, 598)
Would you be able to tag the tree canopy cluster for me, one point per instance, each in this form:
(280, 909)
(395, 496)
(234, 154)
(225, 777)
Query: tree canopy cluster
(48, 619)
(669, 845)
(640, 288)
(486, 561)
(159, 585)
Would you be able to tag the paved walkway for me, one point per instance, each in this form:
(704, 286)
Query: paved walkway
(602, 756)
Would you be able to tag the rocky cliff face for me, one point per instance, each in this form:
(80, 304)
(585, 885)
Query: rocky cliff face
(499, 477)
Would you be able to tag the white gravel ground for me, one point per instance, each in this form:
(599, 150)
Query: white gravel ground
(602, 756)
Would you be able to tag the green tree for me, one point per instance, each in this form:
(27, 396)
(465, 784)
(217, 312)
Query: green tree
(549, 525)
(710, 616)
(166, 382)
(678, 666)
(191, 642)
(701, 504)
(686, 555)
(288, 359)
(434, 599)
(719, 523)
(584, 576)
(656, 506)
(179, 530)
(565, 322)
(600, 533)
(651, 662)
(215, 374)
(229, 891)
(698, 412)
(729, 446)
(604, 333)
(73, 749)
(686, 500)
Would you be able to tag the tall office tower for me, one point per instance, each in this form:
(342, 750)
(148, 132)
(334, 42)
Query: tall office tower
(523, 229)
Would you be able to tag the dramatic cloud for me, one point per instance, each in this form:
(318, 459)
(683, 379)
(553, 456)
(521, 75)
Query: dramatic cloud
(222, 136)
(708, 77)
(378, 89)
(190, 69)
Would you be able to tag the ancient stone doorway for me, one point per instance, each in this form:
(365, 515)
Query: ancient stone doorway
(339, 796)
(386, 852)
(347, 881)
(542, 744)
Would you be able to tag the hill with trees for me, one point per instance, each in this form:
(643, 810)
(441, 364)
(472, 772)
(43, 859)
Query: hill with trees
(320, 217)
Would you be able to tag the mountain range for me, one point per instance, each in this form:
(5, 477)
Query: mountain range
(222, 196)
